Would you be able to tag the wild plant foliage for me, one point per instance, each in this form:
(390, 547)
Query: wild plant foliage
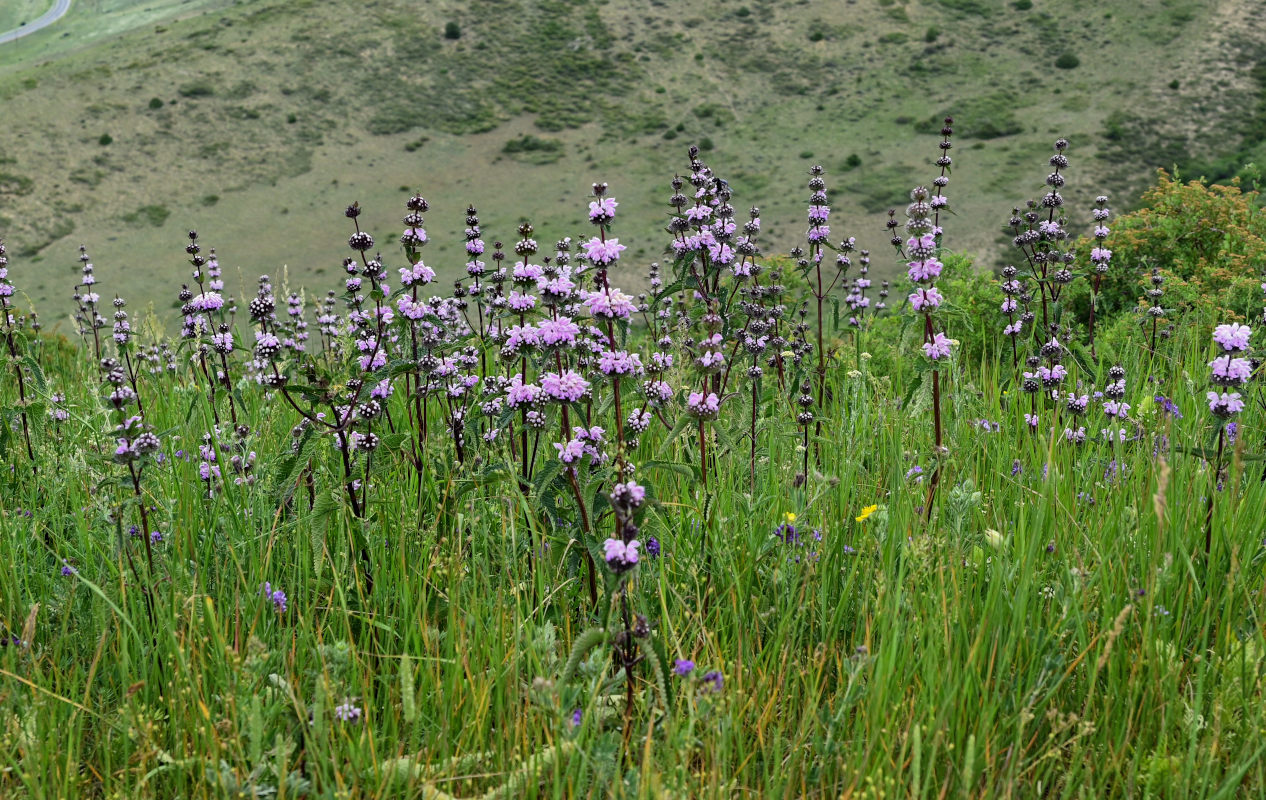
(585, 491)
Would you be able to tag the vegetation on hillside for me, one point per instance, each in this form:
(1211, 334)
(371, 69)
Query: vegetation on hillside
(288, 107)
(775, 527)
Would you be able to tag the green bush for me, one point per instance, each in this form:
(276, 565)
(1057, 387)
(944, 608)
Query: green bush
(154, 215)
(452, 30)
(982, 117)
(1208, 240)
(155, 103)
(198, 88)
(15, 184)
(105, 140)
(534, 149)
(1067, 61)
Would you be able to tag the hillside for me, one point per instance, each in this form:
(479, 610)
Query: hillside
(256, 122)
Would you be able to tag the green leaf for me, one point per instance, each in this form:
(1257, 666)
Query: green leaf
(395, 441)
(659, 656)
(685, 470)
(548, 471)
(683, 421)
(37, 375)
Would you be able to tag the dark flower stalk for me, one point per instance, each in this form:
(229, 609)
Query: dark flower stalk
(924, 229)
(622, 557)
(15, 358)
(204, 325)
(1155, 311)
(86, 299)
(1100, 258)
(818, 233)
(1117, 412)
(415, 277)
(1014, 295)
(1228, 370)
(136, 443)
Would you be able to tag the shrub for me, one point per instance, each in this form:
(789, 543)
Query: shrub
(534, 149)
(983, 117)
(452, 30)
(1067, 61)
(1208, 240)
(105, 139)
(152, 214)
(198, 88)
(15, 184)
(155, 103)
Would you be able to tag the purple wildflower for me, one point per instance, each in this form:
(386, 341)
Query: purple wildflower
(620, 556)
(347, 712)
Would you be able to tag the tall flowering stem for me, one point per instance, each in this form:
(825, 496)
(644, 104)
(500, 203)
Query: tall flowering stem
(205, 326)
(11, 344)
(818, 236)
(923, 268)
(86, 300)
(1040, 239)
(621, 553)
(1100, 258)
(1155, 311)
(136, 443)
(819, 232)
(1228, 370)
(415, 277)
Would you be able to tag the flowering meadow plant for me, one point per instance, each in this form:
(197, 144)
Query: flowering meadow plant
(551, 519)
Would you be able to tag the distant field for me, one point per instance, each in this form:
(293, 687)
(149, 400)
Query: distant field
(255, 122)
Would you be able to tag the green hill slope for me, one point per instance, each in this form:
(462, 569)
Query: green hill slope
(255, 122)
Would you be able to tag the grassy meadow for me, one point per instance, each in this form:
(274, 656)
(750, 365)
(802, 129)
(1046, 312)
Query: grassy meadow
(797, 516)
(242, 610)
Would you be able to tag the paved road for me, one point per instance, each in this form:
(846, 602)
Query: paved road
(59, 9)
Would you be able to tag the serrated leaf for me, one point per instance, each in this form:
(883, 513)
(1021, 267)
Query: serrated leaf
(550, 470)
(37, 375)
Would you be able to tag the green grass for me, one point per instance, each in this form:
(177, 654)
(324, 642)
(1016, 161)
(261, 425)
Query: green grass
(15, 12)
(611, 82)
(1052, 630)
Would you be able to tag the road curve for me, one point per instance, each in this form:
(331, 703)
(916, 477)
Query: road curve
(59, 9)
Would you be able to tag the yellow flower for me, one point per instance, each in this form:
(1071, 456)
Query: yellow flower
(789, 517)
(866, 512)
